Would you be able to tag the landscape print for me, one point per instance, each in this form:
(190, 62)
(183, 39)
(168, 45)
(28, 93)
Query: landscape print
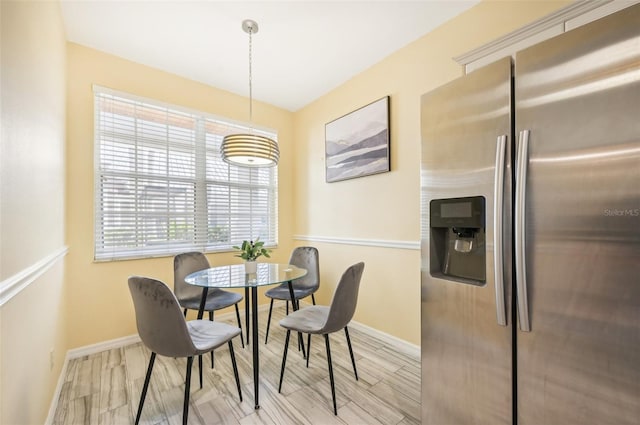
(357, 144)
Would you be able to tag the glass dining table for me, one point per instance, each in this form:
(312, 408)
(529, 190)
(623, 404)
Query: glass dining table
(234, 276)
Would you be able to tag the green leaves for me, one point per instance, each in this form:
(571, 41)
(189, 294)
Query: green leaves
(250, 250)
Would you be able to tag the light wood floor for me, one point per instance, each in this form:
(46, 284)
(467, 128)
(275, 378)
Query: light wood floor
(104, 388)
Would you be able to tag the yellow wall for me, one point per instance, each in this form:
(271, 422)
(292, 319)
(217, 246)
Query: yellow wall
(80, 302)
(99, 299)
(386, 207)
(32, 195)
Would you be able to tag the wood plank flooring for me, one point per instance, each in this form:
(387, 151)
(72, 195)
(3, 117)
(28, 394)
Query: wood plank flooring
(104, 388)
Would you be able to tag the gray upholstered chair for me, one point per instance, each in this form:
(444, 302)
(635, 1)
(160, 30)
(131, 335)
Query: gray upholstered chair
(305, 257)
(164, 331)
(324, 320)
(189, 296)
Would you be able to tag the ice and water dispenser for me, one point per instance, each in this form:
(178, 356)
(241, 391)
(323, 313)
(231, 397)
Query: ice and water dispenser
(458, 250)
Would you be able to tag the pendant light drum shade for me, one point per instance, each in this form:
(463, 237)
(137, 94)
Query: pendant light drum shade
(250, 150)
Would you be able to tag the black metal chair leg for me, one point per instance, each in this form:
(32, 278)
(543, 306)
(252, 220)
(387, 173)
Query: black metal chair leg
(301, 345)
(187, 386)
(294, 306)
(235, 366)
(313, 299)
(239, 324)
(266, 337)
(152, 359)
(200, 368)
(333, 388)
(284, 358)
(246, 311)
(308, 348)
(353, 359)
(211, 319)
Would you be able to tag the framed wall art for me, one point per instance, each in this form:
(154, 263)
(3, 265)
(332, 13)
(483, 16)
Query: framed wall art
(357, 144)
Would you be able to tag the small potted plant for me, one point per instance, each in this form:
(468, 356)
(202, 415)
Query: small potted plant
(250, 251)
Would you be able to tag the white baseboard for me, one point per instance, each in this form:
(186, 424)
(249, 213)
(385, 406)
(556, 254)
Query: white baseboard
(87, 350)
(399, 344)
(56, 394)
(81, 352)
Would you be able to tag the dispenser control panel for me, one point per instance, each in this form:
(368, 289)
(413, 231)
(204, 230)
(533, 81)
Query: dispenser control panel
(458, 212)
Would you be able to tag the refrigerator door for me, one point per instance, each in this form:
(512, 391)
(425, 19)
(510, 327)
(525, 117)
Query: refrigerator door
(466, 353)
(578, 96)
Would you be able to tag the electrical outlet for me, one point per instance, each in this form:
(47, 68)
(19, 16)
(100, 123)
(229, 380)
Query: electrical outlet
(51, 359)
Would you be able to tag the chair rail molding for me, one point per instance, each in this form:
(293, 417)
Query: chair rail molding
(13, 285)
(378, 243)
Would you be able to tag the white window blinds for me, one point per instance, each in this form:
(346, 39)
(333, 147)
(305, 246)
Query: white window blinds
(162, 188)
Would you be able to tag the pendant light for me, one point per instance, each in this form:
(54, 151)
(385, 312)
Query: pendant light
(250, 150)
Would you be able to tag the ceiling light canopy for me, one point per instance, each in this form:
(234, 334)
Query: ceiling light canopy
(250, 150)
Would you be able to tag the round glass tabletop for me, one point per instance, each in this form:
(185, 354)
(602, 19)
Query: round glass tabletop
(234, 276)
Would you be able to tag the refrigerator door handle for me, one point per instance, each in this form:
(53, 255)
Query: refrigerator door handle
(498, 207)
(521, 272)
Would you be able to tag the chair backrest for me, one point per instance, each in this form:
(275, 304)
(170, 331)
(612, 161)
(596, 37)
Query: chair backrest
(345, 299)
(306, 257)
(160, 323)
(183, 265)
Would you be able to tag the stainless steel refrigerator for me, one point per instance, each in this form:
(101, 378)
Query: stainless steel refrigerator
(530, 196)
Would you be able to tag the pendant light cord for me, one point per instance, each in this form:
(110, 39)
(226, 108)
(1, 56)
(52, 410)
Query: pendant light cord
(250, 82)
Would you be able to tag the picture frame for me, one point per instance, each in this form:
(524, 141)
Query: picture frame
(357, 144)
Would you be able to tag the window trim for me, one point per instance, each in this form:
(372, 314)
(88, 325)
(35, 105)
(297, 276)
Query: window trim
(200, 188)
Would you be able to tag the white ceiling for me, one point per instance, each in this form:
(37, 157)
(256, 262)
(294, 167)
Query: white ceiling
(303, 49)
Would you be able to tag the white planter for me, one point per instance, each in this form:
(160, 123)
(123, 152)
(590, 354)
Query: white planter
(250, 267)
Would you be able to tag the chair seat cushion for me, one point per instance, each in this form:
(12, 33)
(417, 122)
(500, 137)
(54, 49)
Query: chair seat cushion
(207, 335)
(307, 320)
(281, 292)
(216, 299)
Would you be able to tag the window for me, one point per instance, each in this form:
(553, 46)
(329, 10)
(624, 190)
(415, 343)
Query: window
(162, 188)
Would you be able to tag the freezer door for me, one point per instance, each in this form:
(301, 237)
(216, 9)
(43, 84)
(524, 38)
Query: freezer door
(466, 352)
(578, 96)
